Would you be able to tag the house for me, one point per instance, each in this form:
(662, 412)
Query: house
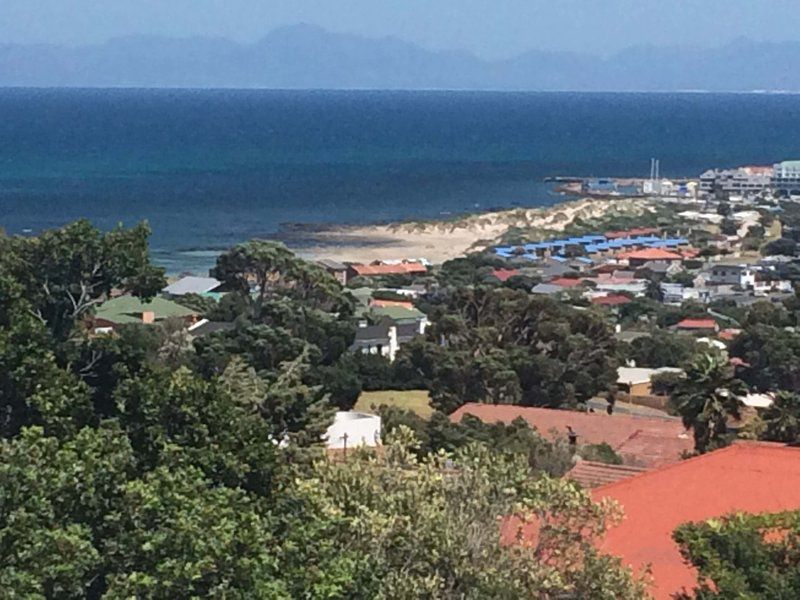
(752, 477)
(335, 268)
(630, 336)
(630, 233)
(640, 441)
(128, 310)
(566, 282)
(698, 325)
(380, 303)
(379, 269)
(351, 429)
(639, 258)
(547, 289)
(765, 285)
(592, 474)
(676, 294)
(505, 274)
(612, 300)
(400, 314)
(387, 336)
(637, 381)
(206, 327)
(634, 287)
(659, 267)
(192, 285)
(743, 276)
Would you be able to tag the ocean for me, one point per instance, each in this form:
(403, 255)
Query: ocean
(208, 169)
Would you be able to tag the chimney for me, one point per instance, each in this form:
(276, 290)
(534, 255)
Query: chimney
(394, 346)
(573, 437)
(148, 317)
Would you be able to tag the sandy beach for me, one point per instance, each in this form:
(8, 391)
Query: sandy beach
(439, 241)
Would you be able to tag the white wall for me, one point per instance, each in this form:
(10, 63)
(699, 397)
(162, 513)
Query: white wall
(361, 429)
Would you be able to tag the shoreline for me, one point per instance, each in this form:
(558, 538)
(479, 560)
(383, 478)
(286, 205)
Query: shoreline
(438, 241)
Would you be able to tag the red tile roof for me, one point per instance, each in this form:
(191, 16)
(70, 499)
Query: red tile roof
(729, 334)
(611, 300)
(640, 441)
(697, 324)
(594, 474)
(649, 254)
(505, 274)
(384, 269)
(749, 477)
(566, 282)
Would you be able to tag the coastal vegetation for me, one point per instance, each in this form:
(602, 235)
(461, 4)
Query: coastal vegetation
(145, 462)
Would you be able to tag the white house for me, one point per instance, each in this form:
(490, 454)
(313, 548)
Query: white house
(352, 430)
(192, 285)
(743, 276)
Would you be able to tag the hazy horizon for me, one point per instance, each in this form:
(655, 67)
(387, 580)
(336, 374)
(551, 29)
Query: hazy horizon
(484, 28)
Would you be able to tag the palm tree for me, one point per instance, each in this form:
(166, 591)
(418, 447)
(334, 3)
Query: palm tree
(782, 419)
(707, 398)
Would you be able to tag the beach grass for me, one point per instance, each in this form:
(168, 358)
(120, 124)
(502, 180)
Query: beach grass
(417, 401)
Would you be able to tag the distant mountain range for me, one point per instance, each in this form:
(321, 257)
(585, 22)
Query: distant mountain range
(305, 56)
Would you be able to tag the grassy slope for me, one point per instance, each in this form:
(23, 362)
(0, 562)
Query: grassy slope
(414, 400)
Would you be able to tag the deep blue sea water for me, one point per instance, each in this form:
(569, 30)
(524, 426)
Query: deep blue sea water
(208, 169)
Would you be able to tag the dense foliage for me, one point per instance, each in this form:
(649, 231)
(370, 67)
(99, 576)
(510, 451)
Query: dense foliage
(147, 464)
(504, 346)
(744, 556)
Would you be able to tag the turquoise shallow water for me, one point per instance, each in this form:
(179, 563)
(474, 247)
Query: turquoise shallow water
(210, 168)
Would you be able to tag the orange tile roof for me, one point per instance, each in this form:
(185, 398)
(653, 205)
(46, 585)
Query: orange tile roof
(592, 474)
(505, 274)
(377, 303)
(611, 300)
(649, 254)
(566, 282)
(384, 269)
(729, 334)
(697, 324)
(749, 477)
(640, 441)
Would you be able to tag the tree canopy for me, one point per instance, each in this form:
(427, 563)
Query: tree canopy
(145, 463)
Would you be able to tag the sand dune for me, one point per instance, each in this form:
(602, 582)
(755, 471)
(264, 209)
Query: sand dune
(438, 241)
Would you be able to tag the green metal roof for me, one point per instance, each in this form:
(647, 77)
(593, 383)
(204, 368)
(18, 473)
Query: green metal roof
(397, 313)
(129, 309)
(792, 164)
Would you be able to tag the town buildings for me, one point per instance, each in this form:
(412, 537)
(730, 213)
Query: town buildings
(742, 181)
(786, 178)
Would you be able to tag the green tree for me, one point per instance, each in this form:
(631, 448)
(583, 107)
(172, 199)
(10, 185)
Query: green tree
(66, 272)
(176, 534)
(773, 354)
(744, 556)
(432, 528)
(782, 419)
(233, 446)
(707, 398)
(662, 348)
(505, 346)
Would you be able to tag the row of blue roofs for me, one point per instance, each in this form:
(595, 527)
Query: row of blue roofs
(591, 243)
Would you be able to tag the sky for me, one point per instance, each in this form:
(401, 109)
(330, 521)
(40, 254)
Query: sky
(490, 28)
